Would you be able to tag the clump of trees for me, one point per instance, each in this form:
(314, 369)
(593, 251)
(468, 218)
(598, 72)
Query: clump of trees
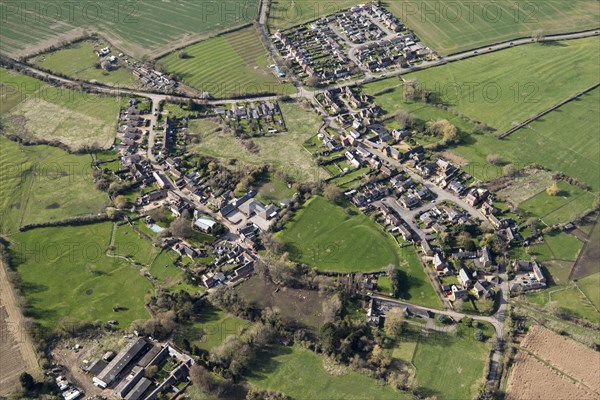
(444, 129)
(406, 119)
(553, 190)
(415, 92)
(394, 322)
(494, 159)
(333, 194)
(394, 276)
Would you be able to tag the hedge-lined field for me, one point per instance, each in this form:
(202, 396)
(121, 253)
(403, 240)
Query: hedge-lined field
(35, 110)
(136, 27)
(506, 86)
(65, 272)
(231, 65)
(455, 26)
(44, 184)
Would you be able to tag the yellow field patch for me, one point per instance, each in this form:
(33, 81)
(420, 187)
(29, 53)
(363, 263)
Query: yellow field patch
(50, 122)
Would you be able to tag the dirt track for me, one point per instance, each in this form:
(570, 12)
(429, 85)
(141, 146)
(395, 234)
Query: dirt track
(16, 350)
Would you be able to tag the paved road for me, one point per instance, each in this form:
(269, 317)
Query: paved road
(303, 92)
(454, 314)
(441, 194)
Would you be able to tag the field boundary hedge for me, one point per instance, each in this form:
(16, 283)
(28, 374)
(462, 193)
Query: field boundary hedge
(547, 111)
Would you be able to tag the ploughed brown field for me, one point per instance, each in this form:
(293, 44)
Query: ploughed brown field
(573, 358)
(16, 351)
(551, 366)
(531, 379)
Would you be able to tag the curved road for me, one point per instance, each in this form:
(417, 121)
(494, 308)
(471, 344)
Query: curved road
(303, 92)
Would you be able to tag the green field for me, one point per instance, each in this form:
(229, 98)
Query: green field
(570, 299)
(561, 246)
(273, 190)
(42, 184)
(564, 140)
(211, 328)
(65, 272)
(300, 374)
(34, 110)
(590, 285)
(284, 151)
(136, 27)
(235, 64)
(326, 237)
(128, 243)
(498, 88)
(78, 61)
(570, 202)
(448, 366)
(452, 27)
(287, 13)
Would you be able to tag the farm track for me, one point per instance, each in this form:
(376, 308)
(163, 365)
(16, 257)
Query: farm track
(16, 348)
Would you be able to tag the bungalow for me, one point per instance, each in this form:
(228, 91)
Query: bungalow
(458, 293)
(408, 201)
(426, 248)
(456, 187)
(406, 234)
(479, 291)
(423, 194)
(438, 263)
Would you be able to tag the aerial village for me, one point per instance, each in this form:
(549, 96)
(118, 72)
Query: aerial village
(422, 199)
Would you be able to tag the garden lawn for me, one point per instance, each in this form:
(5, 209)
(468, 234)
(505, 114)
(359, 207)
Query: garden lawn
(65, 272)
(235, 64)
(452, 27)
(273, 190)
(164, 270)
(211, 328)
(128, 243)
(300, 374)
